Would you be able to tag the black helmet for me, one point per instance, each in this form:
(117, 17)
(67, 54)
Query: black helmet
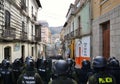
(5, 63)
(70, 62)
(28, 57)
(99, 62)
(17, 62)
(30, 64)
(61, 67)
(113, 62)
(86, 63)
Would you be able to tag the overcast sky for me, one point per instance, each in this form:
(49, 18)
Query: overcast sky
(54, 11)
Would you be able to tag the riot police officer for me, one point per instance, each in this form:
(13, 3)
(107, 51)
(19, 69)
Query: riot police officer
(84, 72)
(17, 69)
(30, 76)
(61, 69)
(114, 68)
(100, 76)
(6, 73)
(72, 70)
(43, 71)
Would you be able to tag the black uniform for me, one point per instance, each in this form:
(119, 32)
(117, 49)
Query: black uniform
(61, 69)
(6, 73)
(114, 68)
(30, 75)
(84, 72)
(44, 71)
(17, 69)
(100, 76)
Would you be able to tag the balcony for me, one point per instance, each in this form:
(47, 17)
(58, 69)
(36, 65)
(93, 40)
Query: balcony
(23, 36)
(38, 38)
(9, 33)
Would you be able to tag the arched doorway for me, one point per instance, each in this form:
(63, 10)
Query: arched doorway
(7, 53)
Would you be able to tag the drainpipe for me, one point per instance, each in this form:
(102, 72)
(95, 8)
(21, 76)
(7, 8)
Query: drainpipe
(91, 19)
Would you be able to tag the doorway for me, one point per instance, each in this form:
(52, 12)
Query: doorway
(22, 53)
(106, 39)
(7, 53)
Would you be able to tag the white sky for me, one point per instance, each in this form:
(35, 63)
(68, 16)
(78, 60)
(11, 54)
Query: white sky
(54, 11)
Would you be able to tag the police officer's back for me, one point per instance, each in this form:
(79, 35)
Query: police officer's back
(61, 69)
(100, 76)
(84, 72)
(30, 76)
(72, 71)
(17, 69)
(6, 72)
(113, 68)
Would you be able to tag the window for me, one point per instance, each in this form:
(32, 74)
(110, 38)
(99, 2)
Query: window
(23, 4)
(32, 29)
(32, 51)
(7, 19)
(1, 4)
(79, 21)
(23, 26)
(32, 11)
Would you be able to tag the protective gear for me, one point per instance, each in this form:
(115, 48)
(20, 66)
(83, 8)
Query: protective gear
(30, 64)
(114, 69)
(84, 72)
(6, 72)
(38, 63)
(99, 62)
(61, 67)
(17, 69)
(70, 62)
(113, 62)
(5, 63)
(100, 76)
(27, 58)
(43, 71)
(86, 63)
(30, 75)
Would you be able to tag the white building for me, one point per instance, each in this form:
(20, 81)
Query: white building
(17, 29)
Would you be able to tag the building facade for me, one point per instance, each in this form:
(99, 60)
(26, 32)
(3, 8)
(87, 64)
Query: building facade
(78, 31)
(105, 28)
(17, 29)
(45, 32)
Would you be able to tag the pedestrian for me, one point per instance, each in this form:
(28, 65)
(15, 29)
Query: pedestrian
(30, 76)
(61, 69)
(100, 76)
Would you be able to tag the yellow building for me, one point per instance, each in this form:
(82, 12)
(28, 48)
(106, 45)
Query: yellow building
(106, 28)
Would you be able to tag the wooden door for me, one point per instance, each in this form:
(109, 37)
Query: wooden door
(106, 39)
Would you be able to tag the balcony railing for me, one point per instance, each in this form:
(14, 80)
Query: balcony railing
(23, 36)
(38, 38)
(10, 32)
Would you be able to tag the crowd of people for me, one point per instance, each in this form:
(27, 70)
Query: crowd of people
(61, 71)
